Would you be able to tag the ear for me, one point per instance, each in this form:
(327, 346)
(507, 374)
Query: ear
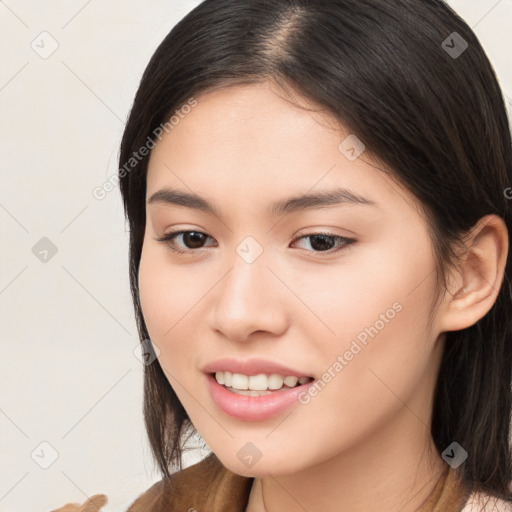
(475, 283)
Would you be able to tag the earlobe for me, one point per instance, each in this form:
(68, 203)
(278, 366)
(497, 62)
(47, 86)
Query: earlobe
(473, 291)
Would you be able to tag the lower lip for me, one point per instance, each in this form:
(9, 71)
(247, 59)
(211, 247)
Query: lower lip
(254, 408)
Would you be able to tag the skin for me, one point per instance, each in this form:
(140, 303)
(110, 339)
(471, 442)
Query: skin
(364, 439)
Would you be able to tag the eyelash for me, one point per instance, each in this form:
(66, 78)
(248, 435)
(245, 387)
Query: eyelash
(168, 239)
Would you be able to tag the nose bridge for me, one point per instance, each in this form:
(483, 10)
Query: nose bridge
(245, 301)
(244, 283)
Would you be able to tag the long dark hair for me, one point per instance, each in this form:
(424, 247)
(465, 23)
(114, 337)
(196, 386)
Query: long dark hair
(410, 79)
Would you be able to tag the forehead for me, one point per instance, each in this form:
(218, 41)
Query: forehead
(250, 141)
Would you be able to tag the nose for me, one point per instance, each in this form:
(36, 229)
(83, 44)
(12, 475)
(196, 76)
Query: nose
(250, 301)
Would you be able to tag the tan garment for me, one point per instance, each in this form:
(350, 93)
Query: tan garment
(210, 487)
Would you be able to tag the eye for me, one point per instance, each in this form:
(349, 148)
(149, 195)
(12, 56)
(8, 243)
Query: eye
(326, 242)
(193, 240)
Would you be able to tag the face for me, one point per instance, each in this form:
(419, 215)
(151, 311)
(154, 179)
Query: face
(339, 291)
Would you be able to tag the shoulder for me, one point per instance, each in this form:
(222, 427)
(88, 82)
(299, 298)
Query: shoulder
(206, 485)
(481, 502)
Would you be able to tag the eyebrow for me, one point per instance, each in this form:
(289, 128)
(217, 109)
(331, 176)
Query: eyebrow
(307, 201)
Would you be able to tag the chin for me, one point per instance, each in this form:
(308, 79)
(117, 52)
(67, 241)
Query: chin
(261, 469)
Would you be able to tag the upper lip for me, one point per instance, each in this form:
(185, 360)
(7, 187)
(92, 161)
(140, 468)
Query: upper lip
(251, 367)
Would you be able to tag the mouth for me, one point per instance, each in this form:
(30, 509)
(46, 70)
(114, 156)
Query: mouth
(258, 385)
(255, 389)
(277, 394)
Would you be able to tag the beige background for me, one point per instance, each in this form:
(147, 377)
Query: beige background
(68, 374)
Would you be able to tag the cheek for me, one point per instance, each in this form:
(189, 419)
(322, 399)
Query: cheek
(166, 293)
(165, 300)
(365, 289)
(378, 316)
(155, 302)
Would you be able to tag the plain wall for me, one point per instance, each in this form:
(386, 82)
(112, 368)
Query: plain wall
(68, 373)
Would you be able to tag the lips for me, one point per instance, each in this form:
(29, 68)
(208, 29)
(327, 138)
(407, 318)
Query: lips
(253, 408)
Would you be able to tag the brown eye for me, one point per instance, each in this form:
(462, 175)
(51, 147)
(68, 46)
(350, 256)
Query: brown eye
(324, 242)
(191, 240)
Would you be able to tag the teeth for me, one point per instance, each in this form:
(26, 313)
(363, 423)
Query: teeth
(257, 382)
(261, 382)
(275, 381)
(291, 382)
(240, 381)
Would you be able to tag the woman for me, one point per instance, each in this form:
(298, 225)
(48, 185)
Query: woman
(319, 254)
